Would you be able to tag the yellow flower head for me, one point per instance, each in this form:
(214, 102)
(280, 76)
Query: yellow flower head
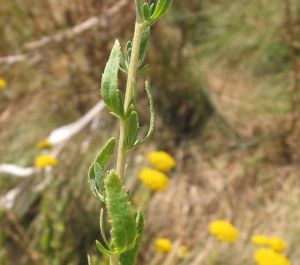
(161, 161)
(163, 245)
(183, 251)
(260, 240)
(224, 231)
(266, 256)
(45, 144)
(44, 161)
(3, 84)
(277, 244)
(154, 179)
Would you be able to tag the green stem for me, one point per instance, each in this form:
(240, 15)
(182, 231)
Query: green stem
(130, 86)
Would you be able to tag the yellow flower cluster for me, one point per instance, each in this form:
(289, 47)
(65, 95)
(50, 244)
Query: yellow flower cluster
(44, 161)
(161, 160)
(271, 249)
(277, 244)
(163, 245)
(44, 144)
(154, 179)
(224, 231)
(3, 84)
(266, 256)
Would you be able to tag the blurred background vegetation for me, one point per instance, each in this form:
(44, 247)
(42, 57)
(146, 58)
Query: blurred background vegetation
(225, 79)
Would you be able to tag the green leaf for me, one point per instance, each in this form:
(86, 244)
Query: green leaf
(103, 249)
(123, 66)
(97, 182)
(109, 84)
(99, 177)
(129, 257)
(118, 104)
(96, 174)
(144, 46)
(130, 109)
(128, 56)
(161, 8)
(152, 116)
(94, 187)
(152, 8)
(102, 227)
(143, 69)
(146, 12)
(128, 45)
(133, 128)
(106, 152)
(123, 231)
(124, 69)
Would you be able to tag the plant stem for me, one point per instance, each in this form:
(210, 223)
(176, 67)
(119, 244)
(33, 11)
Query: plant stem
(130, 86)
(132, 72)
(114, 260)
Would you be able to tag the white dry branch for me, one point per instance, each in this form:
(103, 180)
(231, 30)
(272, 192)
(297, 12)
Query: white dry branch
(66, 132)
(56, 137)
(63, 133)
(20, 172)
(12, 59)
(78, 29)
(64, 35)
(7, 202)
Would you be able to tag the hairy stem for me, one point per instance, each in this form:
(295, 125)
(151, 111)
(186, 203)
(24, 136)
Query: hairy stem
(131, 79)
(130, 86)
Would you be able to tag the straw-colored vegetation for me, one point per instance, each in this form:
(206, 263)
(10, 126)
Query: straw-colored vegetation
(218, 182)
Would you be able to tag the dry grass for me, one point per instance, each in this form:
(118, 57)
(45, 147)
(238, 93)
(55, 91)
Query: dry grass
(252, 181)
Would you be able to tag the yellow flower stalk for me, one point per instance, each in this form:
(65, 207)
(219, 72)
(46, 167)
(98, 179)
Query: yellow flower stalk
(266, 256)
(153, 179)
(260, 240)
(161, 160)
(44, 144)
(163, 245)
(3, 84)
(44, 161)
(224, 231)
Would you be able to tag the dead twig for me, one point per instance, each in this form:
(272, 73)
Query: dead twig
(63, 35)
(12, 59)
(78, 29)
